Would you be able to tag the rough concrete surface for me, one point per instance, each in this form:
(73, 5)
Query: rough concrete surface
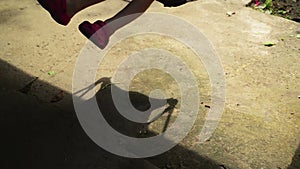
(260, 124)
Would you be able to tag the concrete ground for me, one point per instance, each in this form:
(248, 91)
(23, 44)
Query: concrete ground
(260, 124)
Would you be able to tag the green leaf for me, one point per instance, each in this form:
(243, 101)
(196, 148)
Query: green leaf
(264, 6)
(269, 4)
(282, 12)
(269, 11)
(51, 73)
(298, 36)
(269, 44)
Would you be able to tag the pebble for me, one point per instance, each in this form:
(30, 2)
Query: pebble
(222, 167)
(230, 13)
(207, 106)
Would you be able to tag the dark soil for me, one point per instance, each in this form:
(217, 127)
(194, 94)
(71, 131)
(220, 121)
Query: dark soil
(289, 9)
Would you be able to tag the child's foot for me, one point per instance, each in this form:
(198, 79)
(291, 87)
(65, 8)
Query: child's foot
(96, 32)
(58, 10)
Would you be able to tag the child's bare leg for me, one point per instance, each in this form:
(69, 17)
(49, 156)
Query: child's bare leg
(135, 7)
(74, 6)
(101, 36)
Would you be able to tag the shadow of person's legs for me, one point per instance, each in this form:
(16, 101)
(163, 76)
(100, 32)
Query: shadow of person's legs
(45, 135)
(296, 160)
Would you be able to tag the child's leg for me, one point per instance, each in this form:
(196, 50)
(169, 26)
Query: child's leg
(135, 7)
(101, 36)
(63, 10)
(74, 6)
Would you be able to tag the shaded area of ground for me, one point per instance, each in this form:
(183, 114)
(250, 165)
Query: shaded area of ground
(296, 160)
(260, 125)
(289, 9)
(44, 136)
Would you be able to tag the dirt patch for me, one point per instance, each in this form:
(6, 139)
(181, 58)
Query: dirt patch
(289, 9)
